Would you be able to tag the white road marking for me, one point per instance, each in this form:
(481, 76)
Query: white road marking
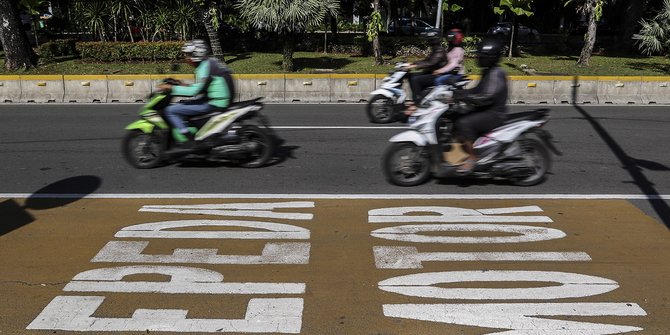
(74, 313)
(522, 318)
(573, 285)
(522, 234)
(411, 258)
(273, 253)
(160, 230)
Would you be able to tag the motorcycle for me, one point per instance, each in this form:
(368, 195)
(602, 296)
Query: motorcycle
(517, 151)
(239, 134)
(387, 104)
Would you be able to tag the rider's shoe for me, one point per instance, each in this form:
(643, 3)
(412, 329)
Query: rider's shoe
(467, 167)
(187, 147)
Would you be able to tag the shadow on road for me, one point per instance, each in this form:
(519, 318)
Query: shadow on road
(58, 194)
(632, 165)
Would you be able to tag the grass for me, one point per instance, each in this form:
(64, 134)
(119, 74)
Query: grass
(311, 62)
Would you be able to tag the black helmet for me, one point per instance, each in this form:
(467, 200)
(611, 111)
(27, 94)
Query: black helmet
(433, 36)
(489, 52)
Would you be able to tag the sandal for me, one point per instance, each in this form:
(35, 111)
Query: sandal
(467, 167)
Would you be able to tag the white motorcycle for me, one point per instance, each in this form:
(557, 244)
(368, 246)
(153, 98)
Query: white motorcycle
(517, 151)
(387, 104)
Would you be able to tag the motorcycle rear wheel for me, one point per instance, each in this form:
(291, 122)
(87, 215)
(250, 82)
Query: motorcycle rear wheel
(142, 150)
(406, 164)
(538, 158)
(381, 109)
(263, 146)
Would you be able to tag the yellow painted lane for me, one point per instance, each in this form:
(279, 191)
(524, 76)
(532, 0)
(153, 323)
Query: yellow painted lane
(371, 266)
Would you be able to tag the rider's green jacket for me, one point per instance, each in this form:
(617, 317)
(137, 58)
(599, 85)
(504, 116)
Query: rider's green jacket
(207, 78)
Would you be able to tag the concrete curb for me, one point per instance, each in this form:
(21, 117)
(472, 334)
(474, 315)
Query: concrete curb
(330, 88)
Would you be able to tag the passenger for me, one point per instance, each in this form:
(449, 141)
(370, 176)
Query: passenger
(454, 70)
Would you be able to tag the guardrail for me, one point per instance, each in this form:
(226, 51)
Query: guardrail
(328, 88)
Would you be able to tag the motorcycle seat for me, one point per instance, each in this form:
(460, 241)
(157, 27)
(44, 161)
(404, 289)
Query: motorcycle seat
(530, 115)
(217, 110)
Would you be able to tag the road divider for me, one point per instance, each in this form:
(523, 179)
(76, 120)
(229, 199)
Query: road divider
(328, 88)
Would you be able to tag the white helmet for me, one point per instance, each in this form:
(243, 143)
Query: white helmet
(196, 50)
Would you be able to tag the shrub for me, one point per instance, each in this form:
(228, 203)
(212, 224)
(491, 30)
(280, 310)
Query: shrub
(127, 51)
(57, 48)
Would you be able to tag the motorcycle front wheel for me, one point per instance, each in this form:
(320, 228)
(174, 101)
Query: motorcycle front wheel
(406, 164)
(142, 150)
(381, 109)
(259, 144)
(537, 158)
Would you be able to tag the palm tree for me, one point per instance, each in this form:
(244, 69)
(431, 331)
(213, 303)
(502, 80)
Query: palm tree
(209, 12)
(94, 15)
(125, 9)
(654, 37)
(287, 18)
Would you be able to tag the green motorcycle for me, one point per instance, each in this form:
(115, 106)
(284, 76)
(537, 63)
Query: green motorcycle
(238, 134)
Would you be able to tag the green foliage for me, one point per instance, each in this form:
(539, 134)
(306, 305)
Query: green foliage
(375, 25)
(470, 44)
(583, 6)
(450, 8)
(654, 37)
(57, 48)
(286, 16)
(516, 7)
(127, 52)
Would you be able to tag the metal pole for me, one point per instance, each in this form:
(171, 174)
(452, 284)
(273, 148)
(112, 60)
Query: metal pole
(439, 14)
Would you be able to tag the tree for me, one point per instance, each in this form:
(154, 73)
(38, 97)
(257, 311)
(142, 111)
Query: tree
(516, 8)
(125, 9)
(33, 8)
(209, 13)
(594, 10)
(287, 18)
(448, 7)
(374, 27)
(18, 53)
(654, 37)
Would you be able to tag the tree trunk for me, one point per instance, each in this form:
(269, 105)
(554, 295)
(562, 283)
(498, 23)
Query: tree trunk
(130, 31)
(511, 38)
(287, 58)
(18, 52)
(376, 45)
(590, 37)
(212, 33)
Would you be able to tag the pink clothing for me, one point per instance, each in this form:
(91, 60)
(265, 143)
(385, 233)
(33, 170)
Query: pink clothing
(455, 61)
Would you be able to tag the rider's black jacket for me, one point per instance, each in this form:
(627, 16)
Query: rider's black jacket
(434, 61)
(489, 95)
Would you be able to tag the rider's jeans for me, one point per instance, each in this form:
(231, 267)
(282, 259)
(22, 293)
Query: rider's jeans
(447, 78)
(176, 112)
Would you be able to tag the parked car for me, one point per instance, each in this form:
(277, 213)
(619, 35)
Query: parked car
(522, 32)
(406, 24)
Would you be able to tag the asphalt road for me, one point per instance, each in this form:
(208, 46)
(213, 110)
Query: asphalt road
(319, 243)
(329, 149)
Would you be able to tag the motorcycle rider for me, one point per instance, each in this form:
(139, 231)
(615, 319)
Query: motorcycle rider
(436, 60)
(488, 99)
(454, 70)
(210, 89)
